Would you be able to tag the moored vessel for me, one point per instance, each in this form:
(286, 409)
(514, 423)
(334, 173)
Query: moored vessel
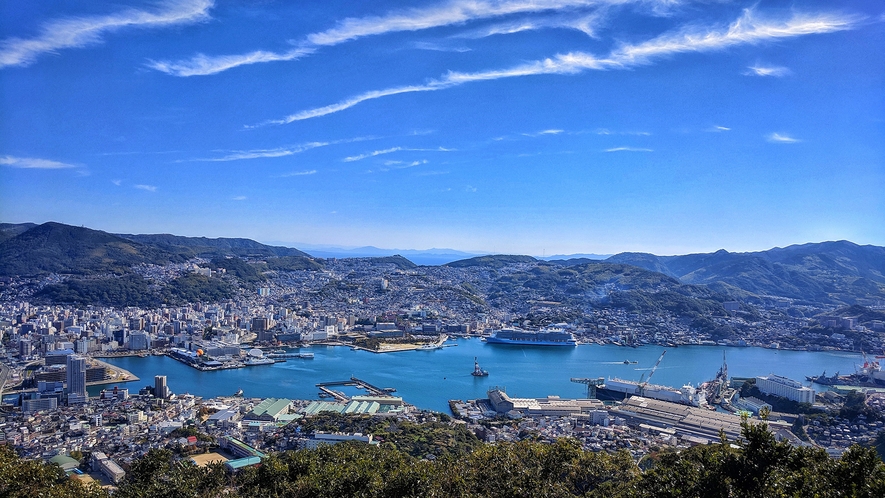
(544, 337)
(477, 371)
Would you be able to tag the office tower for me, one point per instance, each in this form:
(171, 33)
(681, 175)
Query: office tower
(160, 389)
(76, 377)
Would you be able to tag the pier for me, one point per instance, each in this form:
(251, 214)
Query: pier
(377, 391)
(289, 355)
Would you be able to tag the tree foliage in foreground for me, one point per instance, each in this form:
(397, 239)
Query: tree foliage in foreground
(755, 466)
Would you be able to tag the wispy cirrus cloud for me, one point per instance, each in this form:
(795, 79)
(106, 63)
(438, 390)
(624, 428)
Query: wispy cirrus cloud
(544, 132)
(374, 153)
(204, 65)
(298, 173)
(288, 150)
(260, 153)
(239, 198)
(451, 13)
(606, 131)
(436, 47)
(718, 129)
(760, 70)
(80, 32)
(147, 188)
(587, 24)
(745, 30)
(391, 150)
(629, 149)
(782, 138)
(33, 163)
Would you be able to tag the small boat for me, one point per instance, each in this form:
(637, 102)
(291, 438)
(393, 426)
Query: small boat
(239, 393)
(305, 356)
(477, 371)
(628, 362)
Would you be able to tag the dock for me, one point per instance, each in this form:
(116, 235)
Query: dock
(353, 381)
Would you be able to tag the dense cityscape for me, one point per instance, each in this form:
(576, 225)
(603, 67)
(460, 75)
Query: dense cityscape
(385, 305)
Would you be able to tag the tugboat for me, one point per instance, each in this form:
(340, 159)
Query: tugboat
(477, 371)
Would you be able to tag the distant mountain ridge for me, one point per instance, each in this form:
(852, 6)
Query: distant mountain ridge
(840, 272)
(212, 247)
(837, 273)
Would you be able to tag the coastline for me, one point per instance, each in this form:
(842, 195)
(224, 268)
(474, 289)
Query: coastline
(121, 375)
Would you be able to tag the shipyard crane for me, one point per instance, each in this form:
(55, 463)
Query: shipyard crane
(641, 388)
(592, 384)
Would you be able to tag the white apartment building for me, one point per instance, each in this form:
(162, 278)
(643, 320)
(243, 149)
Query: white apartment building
(785, 388)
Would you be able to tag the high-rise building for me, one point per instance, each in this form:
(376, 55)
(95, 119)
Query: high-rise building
(160, 389)
(139, 341)
(25, 347)
(76, 377)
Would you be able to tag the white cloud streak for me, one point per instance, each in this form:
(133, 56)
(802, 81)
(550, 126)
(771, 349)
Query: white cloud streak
(33, 163)
(239, 198)
(204, 65)
(436, 47)
(80, 32)
(544, 132)
(586, 24)
(746, 30)
(262, 153)
(628, 149)
(391, 150)
(782, 139)
(289, 150)
(299, 173)
(360, 157)
(759, 70)
(148, 188)
(452, 13)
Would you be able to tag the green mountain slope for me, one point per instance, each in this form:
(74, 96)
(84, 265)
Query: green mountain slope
(58, 248)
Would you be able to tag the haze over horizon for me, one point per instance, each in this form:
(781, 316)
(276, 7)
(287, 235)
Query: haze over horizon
(524, 127)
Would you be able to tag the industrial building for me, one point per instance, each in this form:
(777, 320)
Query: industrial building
(269, 410)
(372, 405)
(698, 425)
(551, 406)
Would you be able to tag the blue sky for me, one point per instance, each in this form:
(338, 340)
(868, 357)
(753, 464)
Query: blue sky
(531, 127)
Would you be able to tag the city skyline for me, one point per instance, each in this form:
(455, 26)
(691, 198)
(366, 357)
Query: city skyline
(544, 127)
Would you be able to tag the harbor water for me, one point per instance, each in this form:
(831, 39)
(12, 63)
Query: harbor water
(428, 379)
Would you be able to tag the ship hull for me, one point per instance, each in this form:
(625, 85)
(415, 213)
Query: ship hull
(522, 342)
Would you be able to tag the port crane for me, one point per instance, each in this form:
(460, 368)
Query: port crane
(641, 388)
(591, 384)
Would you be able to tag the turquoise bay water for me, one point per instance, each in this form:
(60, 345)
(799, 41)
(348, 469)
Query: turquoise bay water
(428, 379)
